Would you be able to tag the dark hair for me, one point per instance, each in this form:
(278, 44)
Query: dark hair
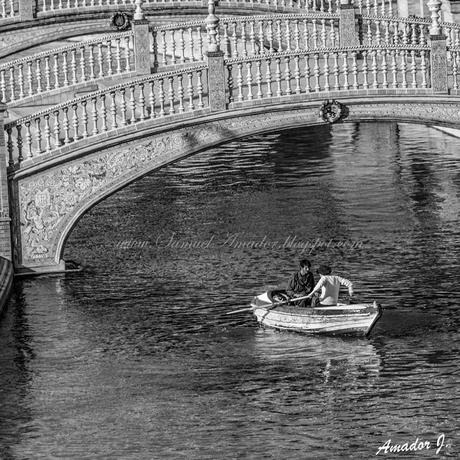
(305, 263)
(324, 270)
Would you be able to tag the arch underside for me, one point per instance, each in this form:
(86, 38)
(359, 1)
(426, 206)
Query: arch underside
(50, 202)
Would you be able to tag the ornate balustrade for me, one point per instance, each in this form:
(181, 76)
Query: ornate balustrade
(63, 67)
(357, 69)
(159, 96)
(9, 9)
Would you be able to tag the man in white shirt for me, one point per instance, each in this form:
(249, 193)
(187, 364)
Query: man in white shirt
(330, 286)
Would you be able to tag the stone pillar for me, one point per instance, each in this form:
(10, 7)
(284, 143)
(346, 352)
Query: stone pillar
(141, 46)
(26, 9)
(438, 54)
(403, 8)
(5, 221)
(216, 80)
(348, 32)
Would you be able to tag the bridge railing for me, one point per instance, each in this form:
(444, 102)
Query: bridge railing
(30, 9)
(159, 96)
(71, 65)
(360, 69)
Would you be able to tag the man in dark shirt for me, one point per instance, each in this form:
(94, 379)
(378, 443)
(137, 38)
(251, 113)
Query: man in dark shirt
(301, 283)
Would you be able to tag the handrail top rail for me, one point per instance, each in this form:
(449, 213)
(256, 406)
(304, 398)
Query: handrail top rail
(76, 45)
(344, 49)
(110, 89)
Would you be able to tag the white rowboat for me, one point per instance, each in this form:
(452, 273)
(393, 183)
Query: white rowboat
(339, 319)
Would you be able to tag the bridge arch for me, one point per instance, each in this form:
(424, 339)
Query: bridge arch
(51, 198)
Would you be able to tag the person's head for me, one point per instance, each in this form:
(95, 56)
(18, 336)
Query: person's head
(324, 270)
(304, 266)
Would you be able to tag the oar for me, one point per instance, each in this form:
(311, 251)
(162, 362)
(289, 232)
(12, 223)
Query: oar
(276, 304)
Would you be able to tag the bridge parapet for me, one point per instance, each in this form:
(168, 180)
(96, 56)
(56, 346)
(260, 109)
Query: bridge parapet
(42, 75)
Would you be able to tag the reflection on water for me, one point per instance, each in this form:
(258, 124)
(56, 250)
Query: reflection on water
(134, 357)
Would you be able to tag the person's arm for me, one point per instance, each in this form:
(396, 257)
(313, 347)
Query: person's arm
(346, 283)
(318, 286)
(290, 289)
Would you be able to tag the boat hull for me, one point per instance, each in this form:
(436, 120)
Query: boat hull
(356, 319)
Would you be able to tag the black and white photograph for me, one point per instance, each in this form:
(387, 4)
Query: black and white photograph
(229, 229)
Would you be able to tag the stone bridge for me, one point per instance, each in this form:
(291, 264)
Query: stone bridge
(255, 75)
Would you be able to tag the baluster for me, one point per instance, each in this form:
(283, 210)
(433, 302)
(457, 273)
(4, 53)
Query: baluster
(234, 40)
(21, 81)
(332, 33)
(3, 85)
(307, 74)
(56, 130)
(171, 95)
(378, 37)
(316, 72)
(365, 69)
(305, 34)
(65, 69)
(94, 116)
(191, 44)
(413, 69)
(29, 153)
(287, 34)
(297, 75)
(336, 71)
(47, 73)
(200, 89)
(260, 48)
(66, 125)
(123, 107)
(346, 85)
(230, 82)
(270, 36)
(323, 33)
(296, 35)
(82, 64)
(249, 80)
(30, 85)
(423, 68)
(142, 107)
(75, 123)
(132, 104)
(287, 74)
(118, 54)
(259, 79)
(155, 48)
(113, 109)
(374, 69)
(182, 45)
(152, 99)
(47, 133)
(279, 34)
(91, 62)
(279, 91)
(394, 83)
(163, 47)
(315, 35)
(109, 58)
(252, 37)
(9, 146)
(239, 81)
(173, 47)
(369, 32)
(225, 41)
(387, 32)
(326, 71)
(12, 80)
(84, 119)
(190, 89)
(354, 70)
(384, 69)
(403, 68)
(73, 65)
(161, 96)
(243, 38)
(180, 94)
(455, 69)
(127, 54)
(268, 77)
(19, 143)
(200, 44)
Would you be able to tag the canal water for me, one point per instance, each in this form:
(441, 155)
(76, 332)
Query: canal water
(134, 357)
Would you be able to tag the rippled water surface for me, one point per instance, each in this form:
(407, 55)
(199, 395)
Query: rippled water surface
(134, 358)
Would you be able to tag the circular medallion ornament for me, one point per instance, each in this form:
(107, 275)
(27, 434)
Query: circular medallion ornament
(331, 111)
(120, 21)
